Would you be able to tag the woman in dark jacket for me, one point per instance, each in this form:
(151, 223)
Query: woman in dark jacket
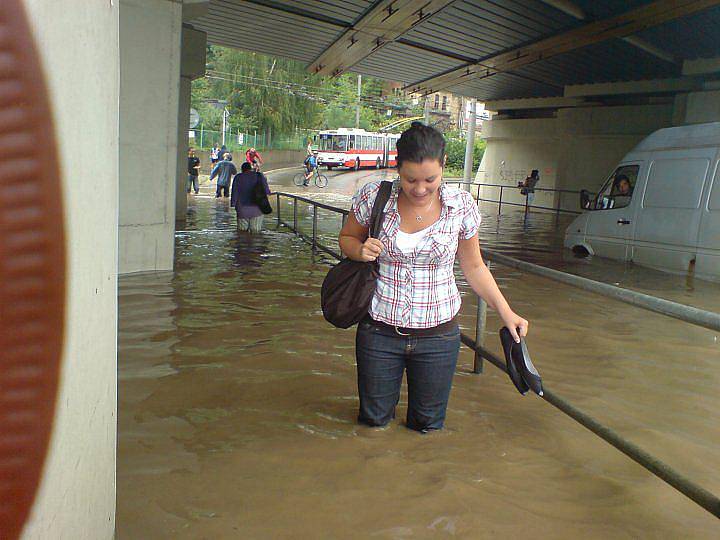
(249, 216)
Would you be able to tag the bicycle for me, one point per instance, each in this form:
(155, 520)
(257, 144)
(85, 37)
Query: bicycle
(320, 180)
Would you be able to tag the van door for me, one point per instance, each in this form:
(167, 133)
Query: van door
(707, 259)
(611, 222)
(666, 233)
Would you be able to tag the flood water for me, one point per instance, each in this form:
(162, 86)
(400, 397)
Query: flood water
(237, 402)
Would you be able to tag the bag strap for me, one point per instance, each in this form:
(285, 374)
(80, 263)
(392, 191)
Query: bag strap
(378, 214)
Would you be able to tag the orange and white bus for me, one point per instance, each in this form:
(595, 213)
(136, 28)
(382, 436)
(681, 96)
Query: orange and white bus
(355, 148)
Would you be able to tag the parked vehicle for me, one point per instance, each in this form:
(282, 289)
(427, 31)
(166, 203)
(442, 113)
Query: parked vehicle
(661, 205)
(355, 148)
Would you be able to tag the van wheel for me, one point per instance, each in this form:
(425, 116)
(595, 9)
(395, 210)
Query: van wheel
(378, 163)
(357, 164)
(329, 167)
(580, 251)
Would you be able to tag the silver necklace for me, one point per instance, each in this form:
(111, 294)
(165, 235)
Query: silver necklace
(418, 217)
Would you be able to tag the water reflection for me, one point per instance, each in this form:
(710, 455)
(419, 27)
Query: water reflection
(237, 407)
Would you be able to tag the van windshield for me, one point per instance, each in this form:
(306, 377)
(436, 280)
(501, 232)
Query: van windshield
(618, 190)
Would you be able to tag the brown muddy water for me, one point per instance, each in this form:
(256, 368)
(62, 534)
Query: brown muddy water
(237, 407)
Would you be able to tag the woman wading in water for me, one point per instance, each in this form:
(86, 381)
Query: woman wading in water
(411, 324)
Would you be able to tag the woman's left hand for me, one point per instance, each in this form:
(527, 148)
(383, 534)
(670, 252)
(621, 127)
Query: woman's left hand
(516, 324)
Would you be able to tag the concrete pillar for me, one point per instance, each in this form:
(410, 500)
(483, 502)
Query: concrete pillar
(576, 149)
(470, 144)
(78, 44)
(192, 66)
(150, 38)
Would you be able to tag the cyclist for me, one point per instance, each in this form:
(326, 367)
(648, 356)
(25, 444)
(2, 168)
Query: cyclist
(254, 158)
(310, 166)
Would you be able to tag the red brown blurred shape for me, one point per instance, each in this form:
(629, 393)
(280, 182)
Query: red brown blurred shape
(32, 269)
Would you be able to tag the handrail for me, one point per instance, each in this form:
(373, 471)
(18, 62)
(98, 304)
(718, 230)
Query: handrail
(527, 205)
(682, 312)
(684, 485)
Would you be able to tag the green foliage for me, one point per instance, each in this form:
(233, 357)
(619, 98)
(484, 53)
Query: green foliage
(278, 96)
(455, 150)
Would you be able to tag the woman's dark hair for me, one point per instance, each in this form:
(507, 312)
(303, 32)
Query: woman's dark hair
(420, 142)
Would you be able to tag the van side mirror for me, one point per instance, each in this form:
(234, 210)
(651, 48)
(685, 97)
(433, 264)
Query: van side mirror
(584, 199)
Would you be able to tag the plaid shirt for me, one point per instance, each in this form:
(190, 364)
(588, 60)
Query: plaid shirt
(418, 290)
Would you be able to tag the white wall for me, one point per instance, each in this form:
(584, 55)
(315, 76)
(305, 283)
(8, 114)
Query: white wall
(78, 42)
(150, 32)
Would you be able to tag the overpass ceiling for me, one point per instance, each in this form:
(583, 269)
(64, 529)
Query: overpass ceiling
(465, 32)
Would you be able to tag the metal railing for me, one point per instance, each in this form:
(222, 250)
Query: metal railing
(294, 226)
(527, 204)
(684, 485)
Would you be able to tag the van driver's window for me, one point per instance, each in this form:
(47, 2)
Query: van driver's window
(618, 190)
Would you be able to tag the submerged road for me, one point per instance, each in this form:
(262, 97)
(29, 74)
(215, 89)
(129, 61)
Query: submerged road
(237, 407)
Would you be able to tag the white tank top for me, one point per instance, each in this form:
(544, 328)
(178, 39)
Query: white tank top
(407, 242)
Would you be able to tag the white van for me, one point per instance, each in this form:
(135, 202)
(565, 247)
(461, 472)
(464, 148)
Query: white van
(661, 205)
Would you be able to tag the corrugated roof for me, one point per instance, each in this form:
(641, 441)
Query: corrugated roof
(467, 31)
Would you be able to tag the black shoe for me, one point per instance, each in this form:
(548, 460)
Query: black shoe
(520, 368)
(509, 346)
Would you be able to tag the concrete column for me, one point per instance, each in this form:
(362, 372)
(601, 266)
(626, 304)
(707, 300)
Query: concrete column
(78, 44)
(192, 66)
(150, 39)
(470, 144)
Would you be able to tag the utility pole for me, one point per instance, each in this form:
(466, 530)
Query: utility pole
(470, 144)
(225, 115)
(357, 110)
(427, 110)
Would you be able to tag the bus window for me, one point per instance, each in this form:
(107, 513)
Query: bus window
(351, 142)
(332, 143)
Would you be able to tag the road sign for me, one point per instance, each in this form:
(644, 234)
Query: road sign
(194, 118)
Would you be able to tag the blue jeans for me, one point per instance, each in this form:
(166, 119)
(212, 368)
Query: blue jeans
(382, 357)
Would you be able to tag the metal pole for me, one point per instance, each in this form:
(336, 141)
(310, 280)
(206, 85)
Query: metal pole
(223, 126)
(470, 143)
(278, 208)
(693, 315)
(527, 198)
(314, 239)
(684, 485)
(427, 110)
(480, 333)
(201, 135)
(500, 201)
(295, 215)
(357, 109)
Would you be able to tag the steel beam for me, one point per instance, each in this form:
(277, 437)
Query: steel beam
(619, 26)
(384, 23)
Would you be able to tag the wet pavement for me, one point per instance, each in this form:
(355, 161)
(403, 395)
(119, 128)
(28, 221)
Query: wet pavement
(237, 404)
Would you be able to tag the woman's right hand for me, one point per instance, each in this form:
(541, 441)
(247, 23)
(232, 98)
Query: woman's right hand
(371, 249)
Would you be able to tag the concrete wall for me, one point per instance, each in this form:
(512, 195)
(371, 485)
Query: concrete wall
(150, 33)
(702, 107)
(577, 149)
(78, 42)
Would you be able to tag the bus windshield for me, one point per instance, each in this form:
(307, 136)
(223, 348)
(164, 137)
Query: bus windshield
(333, 143)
